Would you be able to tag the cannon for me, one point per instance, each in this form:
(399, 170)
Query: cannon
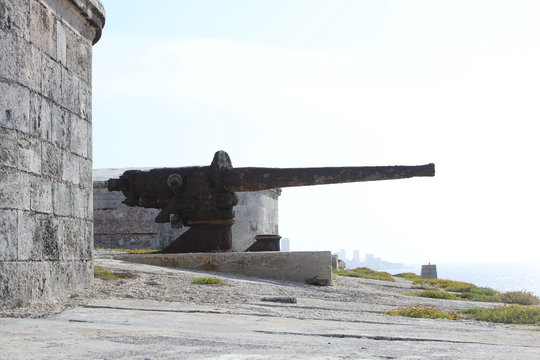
(203, 197)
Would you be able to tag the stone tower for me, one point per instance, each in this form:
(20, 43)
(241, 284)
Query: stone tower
(45, 147)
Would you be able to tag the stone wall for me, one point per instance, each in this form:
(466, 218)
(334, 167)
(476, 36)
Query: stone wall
(119, 226)
(46, 147)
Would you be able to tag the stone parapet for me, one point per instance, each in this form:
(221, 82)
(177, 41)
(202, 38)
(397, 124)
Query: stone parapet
(311, 267)
(45, 146)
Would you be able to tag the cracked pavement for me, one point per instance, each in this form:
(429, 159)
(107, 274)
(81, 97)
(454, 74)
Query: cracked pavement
(168, 318)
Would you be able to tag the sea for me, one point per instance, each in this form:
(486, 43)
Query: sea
(499, 276)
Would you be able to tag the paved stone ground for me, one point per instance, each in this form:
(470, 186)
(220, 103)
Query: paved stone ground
(160, 315)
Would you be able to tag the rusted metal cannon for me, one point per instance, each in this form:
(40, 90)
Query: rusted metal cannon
(203, 197)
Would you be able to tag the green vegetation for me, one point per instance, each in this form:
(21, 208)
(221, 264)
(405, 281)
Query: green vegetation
(483, 295)
(132, 251)
(448, 285)
(457, 290)
(408, 276)
(105, 274)
(364, 272)
(208, 280)
(420, 311)
(519, 297)
(509, 314)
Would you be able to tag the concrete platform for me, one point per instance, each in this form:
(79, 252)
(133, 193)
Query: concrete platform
(159, 314)
(312, 267)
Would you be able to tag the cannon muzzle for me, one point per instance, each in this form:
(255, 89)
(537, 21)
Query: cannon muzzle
(254, 179)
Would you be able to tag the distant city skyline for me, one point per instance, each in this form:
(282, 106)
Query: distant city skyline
(369, 260)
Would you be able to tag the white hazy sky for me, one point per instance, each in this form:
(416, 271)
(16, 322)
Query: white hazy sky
(296, 83)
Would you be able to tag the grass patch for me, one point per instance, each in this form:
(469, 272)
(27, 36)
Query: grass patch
(408, 276)
(448, 285)
(509, 314)
(457, 290)
(208, 280)
(519, 297)
(481, 294)
(366, 273)
(104, 274)
(132, 251)
(419, 311)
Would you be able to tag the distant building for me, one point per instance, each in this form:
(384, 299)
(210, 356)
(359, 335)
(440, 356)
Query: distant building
(342, 255)
(285, 244)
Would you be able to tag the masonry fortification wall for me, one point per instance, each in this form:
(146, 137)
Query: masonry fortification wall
(45, 147)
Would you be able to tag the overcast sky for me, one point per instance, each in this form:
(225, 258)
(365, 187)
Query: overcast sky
(291, 83)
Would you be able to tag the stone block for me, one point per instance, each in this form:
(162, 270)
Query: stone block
(61, 43)
(52, 161)
(8, 237)
(129, 220)
(14, 107)
(90, 208)
(312, 267)
(43, 28)
(51, 80)
(87, 242)
(70, 168)
(80, 197)
(79, 56)
(29, 60)
(41, 199)
(29, 154)
(30, 245)
(8, 58)
(61, 124)
(85, 174)
(14, 17)
(14, 192)
(89, 139)
(8, 148)
(85, 100)
(70, 91)
(25, 283)
(41, 117)
(62, 199)
(429, 271)
(79, 133)
(48, 226)
(71, 233)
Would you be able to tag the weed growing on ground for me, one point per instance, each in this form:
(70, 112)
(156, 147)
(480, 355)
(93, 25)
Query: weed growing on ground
(421, 311)
(509, 314)
(366, 273)
(208, 280)
(457, 290)
(519, 297)
(449, 285)
(408, 276)
(105, 274)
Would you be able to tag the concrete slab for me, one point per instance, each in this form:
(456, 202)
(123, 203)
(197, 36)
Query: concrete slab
(312, 267)
(142, 329)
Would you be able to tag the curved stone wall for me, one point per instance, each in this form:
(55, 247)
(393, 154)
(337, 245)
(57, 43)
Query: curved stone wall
(45, 147)
(119, 226)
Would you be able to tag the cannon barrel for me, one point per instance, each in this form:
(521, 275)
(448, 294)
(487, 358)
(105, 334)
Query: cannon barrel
(254, 179)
